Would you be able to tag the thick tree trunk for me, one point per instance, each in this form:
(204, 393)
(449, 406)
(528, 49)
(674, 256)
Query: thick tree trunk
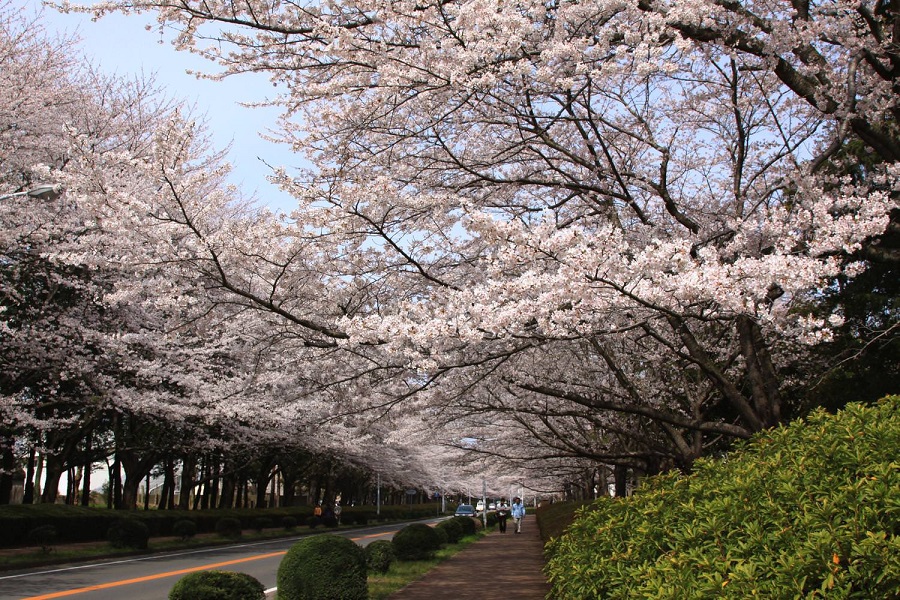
(229, 485)
(54, 469)
(188, 467)
(130, 492)
(262, 483)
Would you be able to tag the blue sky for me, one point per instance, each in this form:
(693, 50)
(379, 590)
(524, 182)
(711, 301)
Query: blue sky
(121, 44)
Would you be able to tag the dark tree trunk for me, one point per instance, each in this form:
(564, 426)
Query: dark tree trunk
(28, 498)
(621, 480)
(229, 485)
(54, 470)
(188, 466)
(7, 467)
(86, 485)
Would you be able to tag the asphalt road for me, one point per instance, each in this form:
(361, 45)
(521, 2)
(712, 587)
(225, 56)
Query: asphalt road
(151, 577)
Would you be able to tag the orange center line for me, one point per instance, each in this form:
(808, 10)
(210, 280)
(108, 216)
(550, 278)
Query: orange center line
(371, 535)
(113, 584)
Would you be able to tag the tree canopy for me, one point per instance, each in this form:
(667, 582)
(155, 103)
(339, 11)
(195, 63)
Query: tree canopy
(543, 235)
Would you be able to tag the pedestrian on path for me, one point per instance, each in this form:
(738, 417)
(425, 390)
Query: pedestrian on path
(502, 515)
(518, 513)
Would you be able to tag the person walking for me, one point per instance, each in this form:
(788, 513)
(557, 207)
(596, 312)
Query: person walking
(502, 514)
(518, 513)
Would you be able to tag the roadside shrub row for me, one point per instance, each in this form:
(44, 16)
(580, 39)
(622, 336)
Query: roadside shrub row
(809, 510)
(325, 567)
(83, 524)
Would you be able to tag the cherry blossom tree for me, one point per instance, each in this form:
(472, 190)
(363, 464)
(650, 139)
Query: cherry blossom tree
(600, 224)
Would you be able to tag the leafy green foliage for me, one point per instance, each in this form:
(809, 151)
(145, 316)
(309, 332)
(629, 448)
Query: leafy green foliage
(810, 510)
(469, 524)
(416, 542)
(289, 523)
(453, 528)
(260, 523)
(323, 567)
(128, 533)
(185, 529)
(379, 556)
(217, 585)
(44, 536)
(228, 527)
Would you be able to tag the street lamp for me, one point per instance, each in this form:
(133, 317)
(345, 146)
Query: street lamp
(40, 192)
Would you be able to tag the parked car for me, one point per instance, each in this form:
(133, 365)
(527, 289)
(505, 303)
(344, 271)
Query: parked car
(480, 506)
(492, 506)
(465, 510)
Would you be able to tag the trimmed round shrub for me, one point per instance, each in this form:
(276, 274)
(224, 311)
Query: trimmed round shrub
(185, 529)
(323, 567)
(416, 542)
(809, 510)
(260, 523)
(218, 585)
(44, 536)
(379, 556)
(453, 529)
(128, 533)
(469, 524)
(289, 523)
(228, 527)
(442, 535)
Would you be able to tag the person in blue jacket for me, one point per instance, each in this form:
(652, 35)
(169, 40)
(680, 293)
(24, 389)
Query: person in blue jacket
(518, 513)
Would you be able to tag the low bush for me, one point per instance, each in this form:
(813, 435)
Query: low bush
(323, 567)
(453, 529)
(218, 585)
(289, 523)
(443, 538)
(313, 521)
(44, 536)
(185, 529)
(260, 523)
(128, 533)
(469, 524)
(228, 527)
(379, 556)
(492, 519)
(809, 510)
(416, 542)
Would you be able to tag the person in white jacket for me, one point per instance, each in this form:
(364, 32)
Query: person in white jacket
(518, 513)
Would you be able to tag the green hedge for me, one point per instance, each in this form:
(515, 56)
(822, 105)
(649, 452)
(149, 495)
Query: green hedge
(810, 510)
(82, 524)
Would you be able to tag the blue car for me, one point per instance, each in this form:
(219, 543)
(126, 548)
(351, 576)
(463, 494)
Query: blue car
(465, 510)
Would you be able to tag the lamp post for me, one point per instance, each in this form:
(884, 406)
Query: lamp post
(40, 192)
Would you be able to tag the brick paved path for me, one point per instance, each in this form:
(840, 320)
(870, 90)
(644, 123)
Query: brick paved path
(500, 566)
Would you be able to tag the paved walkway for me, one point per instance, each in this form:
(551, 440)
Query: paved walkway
(499, 566)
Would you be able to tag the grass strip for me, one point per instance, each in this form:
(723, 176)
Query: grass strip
(402, 573)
